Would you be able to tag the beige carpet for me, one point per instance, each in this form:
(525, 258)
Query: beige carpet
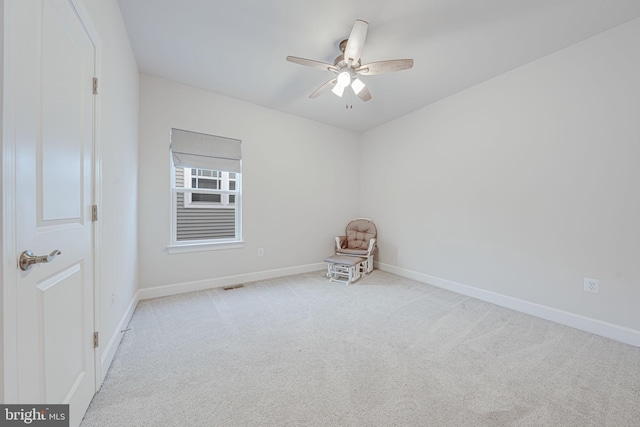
(385, 351)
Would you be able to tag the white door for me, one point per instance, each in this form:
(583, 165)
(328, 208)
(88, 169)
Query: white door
(49, 77)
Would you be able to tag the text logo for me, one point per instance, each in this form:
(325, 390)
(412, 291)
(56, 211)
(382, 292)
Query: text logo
(34, 415)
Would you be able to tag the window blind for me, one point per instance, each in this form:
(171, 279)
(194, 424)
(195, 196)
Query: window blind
(203, 151)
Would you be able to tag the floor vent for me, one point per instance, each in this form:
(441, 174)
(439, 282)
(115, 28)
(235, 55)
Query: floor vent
(228, 288)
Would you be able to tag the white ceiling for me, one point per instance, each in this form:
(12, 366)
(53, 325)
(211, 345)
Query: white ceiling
(238, 48)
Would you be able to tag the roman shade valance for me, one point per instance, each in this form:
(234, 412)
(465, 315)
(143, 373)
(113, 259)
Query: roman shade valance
(202, 151)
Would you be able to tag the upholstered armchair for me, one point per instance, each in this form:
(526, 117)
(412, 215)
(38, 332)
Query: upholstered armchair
(360, 240)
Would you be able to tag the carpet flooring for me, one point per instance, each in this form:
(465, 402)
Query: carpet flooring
(384, 351)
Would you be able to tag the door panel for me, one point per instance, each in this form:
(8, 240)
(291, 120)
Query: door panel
(64, 76)
(64, 333)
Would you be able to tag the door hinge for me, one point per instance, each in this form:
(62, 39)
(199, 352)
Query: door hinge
(94, 213)
(95, 85)
(96, 339)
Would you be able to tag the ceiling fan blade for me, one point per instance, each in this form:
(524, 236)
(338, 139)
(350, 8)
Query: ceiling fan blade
(364, 94)
(382, 67)
(355, 42)
(322, 89)
(311, 63)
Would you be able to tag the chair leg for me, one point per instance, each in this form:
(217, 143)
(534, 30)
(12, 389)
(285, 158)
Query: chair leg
(369, 264)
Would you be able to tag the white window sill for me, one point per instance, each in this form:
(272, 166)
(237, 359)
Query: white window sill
(200, 247)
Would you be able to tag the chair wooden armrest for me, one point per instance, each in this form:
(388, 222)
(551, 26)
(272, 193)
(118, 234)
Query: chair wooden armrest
(372, 246)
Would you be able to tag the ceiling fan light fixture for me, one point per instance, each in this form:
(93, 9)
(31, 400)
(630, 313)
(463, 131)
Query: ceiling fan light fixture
(357, 86)
(344, 79)
(338, 90)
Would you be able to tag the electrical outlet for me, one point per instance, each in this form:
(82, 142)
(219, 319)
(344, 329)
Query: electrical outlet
(591, 285)
(260, 251)
(113, 297)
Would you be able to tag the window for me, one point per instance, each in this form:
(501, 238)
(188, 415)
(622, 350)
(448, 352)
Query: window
(211, 180)
(206, 192)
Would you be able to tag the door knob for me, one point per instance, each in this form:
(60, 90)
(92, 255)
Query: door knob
(27, 259)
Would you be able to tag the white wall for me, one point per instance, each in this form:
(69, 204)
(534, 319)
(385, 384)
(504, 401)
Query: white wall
(522, 185)
(118, 150)
(300, 182)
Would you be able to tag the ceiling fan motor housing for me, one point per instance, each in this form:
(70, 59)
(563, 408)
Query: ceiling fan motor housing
(340, 61)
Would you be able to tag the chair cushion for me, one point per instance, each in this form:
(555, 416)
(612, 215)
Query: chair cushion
(344, 260)
(359, 232)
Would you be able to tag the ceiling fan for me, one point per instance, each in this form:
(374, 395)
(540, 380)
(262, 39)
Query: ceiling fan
(347, 66)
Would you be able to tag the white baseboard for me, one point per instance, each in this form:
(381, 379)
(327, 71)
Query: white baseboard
(199, 285)
(110, 350)
(608, 330)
